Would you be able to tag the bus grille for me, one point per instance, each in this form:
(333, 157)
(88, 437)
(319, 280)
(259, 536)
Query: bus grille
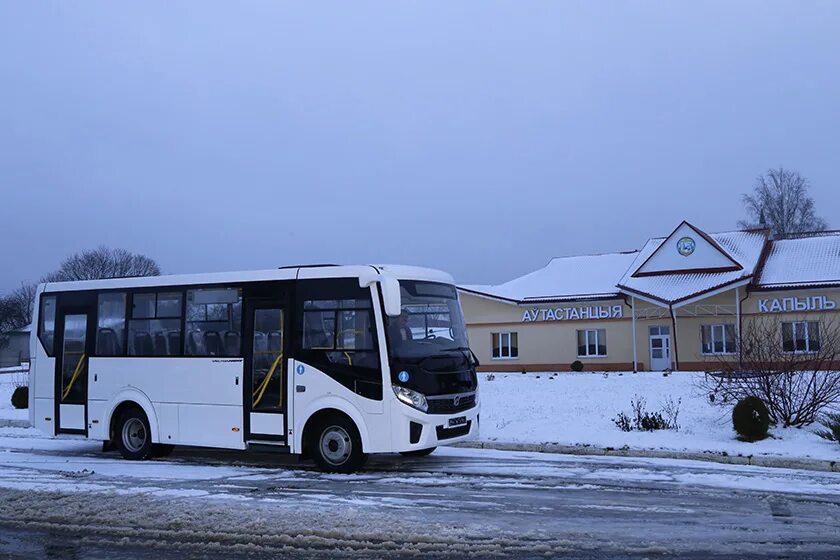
(449, 433)
(451, 403)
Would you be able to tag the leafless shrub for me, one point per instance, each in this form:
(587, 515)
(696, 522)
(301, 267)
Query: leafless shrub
(795, 382)
(646, 421)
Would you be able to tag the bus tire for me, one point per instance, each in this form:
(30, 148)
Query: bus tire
(160, 450)
(133, 435)
(418, 452)
(336, 446)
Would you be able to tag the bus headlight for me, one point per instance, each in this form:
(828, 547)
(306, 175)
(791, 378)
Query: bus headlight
(411, 398)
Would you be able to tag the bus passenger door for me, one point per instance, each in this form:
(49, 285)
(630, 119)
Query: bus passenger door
(266, 356)
(74, 344)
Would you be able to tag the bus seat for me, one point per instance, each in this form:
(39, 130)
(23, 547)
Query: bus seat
(232, 343)
(106, 342)
(174, 338)
(213, 343)
(195, 346)
(260, 341)
(275, 341)
(143, 344)
(161, 347)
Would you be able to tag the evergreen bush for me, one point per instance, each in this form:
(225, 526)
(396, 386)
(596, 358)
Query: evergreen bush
(20, 397)
(751, 419)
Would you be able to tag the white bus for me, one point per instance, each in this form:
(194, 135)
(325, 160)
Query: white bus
(332, 362)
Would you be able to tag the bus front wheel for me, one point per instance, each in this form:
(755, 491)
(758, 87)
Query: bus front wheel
(336, 446)
(134, 437)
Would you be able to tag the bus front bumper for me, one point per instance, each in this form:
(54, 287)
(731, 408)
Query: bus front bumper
(415, 430)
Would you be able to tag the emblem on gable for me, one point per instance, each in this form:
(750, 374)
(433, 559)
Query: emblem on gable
(685, 246)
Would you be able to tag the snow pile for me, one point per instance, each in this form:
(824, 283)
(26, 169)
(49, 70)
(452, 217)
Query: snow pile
(578, 409)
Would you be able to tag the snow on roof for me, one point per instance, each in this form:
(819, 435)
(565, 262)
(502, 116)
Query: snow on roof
(804, 261)
(800, 262)
(564, 278)
(743, 246)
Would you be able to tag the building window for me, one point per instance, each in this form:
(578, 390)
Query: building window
(801, 336)
(110, 328)
(155, 325)
(660, 331)
(592, 343)
(505, 346)
(718, 339)
(214, 322)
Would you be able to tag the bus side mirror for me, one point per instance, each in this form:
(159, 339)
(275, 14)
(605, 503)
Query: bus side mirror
(392, 300)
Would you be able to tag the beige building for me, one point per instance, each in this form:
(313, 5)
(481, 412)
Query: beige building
(680, 302)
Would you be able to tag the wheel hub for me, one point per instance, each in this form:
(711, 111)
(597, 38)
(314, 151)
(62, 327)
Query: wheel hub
(336, 445)
(134, 435)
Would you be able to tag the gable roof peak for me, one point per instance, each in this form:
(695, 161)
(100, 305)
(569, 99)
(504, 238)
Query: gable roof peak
(687, 249)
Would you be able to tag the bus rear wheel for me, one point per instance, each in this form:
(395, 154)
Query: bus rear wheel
(336, 446)
(134, 437)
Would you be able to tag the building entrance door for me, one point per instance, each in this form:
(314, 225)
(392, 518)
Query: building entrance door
(660, 348)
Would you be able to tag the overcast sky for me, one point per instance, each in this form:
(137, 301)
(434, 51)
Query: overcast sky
(481, 138)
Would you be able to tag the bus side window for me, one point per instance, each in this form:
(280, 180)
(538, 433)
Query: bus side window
(341, 331)
(214, 322)
(155, 325)
(46, 324)
(110, 328)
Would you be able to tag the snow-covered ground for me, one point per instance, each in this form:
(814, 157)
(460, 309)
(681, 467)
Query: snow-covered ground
(458, 503)
(578, 409)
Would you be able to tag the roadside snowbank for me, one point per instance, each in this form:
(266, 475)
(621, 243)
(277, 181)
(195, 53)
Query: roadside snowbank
(578, 408)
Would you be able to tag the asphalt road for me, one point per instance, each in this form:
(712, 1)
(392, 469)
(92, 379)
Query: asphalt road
(68, 500)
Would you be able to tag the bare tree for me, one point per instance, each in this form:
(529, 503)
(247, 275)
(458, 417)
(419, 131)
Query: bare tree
(16, 310)
(795, 382)
(103, 263)
(781, 202)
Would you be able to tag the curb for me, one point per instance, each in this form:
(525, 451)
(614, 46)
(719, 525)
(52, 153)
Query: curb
(9, 423)
(708, 456)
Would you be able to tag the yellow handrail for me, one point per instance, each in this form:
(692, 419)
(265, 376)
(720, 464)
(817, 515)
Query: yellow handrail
(264, 384)
(76, 373)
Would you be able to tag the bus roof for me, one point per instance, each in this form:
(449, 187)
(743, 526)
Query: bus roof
(401, 272)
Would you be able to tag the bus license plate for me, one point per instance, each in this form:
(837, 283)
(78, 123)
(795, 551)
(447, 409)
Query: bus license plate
(455, 422)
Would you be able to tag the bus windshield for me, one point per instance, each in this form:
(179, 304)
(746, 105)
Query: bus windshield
(431, 322)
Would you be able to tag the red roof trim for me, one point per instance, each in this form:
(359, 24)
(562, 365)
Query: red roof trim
(485, 294)
(546, 299)
(689, 296)
(793, 286)
(688, 271)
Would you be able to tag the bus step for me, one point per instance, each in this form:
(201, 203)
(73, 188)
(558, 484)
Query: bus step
(268, 446)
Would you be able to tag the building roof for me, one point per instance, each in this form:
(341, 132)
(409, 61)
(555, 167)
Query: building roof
(803, 262)
(564, 278)
(663, 272)
(743, 247)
